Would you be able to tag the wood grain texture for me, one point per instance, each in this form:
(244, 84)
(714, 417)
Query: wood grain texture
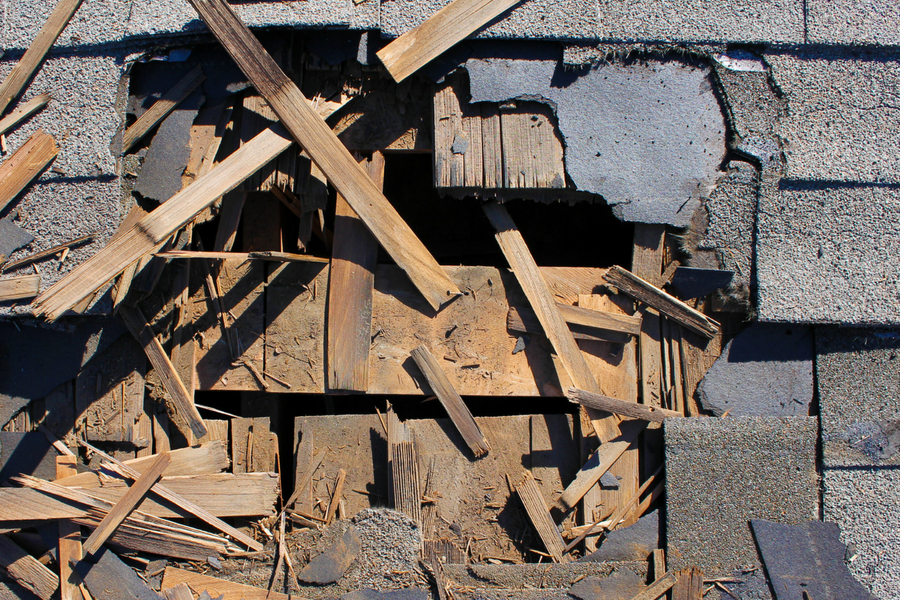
(688, 584)
(620, 407)
(19, 288)
(25, 164)
(599, 463)
(596, 325)
(152, 231)
(217, 588)
(530, 495)
(672, 307)
(440, 32)
(657, 588)
(25, 570)
(156, 113)
(451, 401)
(403, 468)
(458, 150)
(181, 410)
(658, 562)
(259, 255)
(351, 288)
(22, 112)
(532, 151)
(328, 153)
(126, 504)
(648, 252)
(26, 67)
(69, 547)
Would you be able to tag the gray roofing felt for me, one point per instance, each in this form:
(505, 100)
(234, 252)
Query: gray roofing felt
(853, 22)
(829, 253)
(843, 115)
(859, 396)
(648, 136)
(712, 494)
(865, 504)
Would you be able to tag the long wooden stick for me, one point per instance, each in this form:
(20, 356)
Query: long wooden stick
(23, 111)
(162, 107)
(440, 32)
(126, 504)
(328, 153)
(70, 551)
(18, 288)
(31, 60)
(25, 164)
(23, 262)
(539, 515)
(620, 407)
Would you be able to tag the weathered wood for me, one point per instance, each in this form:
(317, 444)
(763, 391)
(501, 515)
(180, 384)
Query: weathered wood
(651, 358)
(37, 256)
(657, 588)
(216, 429)
(217, 588)
(532, 151)
(618, 517)
(22, 112)
(16, 81)
(152, 231)
(452, 402)
(25, 570)
(674, 341)
(69, 547)
(688, 584)
(491, 146)
(259, 255)
(403, 468)
(337, 495)
(179, 592)
(648, 251)
(440, 32)
(697, 356)
(18, 288)
(21, 504)
(658, 561)
(162, 107)
(522, 319)
(254, 447)
(670, 306)
(351, 287)
(327, 151)
(229, 220)
(589, 324)
(620, 407)
(25, 164)
(539, 514)
(108, 578)
(126, 504)
(599, 462)
(458, 154)
(182, 410)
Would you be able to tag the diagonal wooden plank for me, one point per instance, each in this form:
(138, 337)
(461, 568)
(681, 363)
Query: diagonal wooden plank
(328, 153)
(69, 538)
(25, 164)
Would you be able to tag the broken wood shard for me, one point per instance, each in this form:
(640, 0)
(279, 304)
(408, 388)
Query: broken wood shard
(539, 514)
(657, 588)
(25, 570)
(25, 164)
(47, 253)
(440, 32)
(670, 306)
(620, 407)
(23, 111)
(261, 255)
(69, 538)
(152, 231)
(153, 115)
(328, 153)
(18, 288)
(589, 324)
(217, 588)
(452, 402)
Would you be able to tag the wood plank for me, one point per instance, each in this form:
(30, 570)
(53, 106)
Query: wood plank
(19, 288)
(440, 32)
(589, 324)
(22, 112)
(37, 256)
(162, 107)
(229, 220)
(152, 231)
(258, 255)
(657, 588)
(216, 429)
(697, 356)
(523, 320)
(23, 505)
(456, 409)
(327, 151)
(599, 463)
(25, 570)
(217, 588)
(254, 447)
(492, 146)
(539, 514)
(688, 584)
(21, 74)
(672, 307)
(25, 164)
(337, 496)
(351, 288)
(69, 547)
(532, 151)
(675, 358)
(126, 504)
(658, 561)
(620, 407)
(648, 251)
(403, 468)
(181, 410)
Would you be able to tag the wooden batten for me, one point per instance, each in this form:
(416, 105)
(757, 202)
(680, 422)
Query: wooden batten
(22, 112)
(620, 407)
(25, 164)
(20, 288)
(530, 495)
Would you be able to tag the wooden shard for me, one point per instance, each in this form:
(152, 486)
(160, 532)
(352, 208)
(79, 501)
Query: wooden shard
(70, 551)
(18, 288)
(260, 255)
(162, 107)
(440, 32)
(657, 588)
(620, 407)
(688, 584)
(25, 164)
(22, 112)
(328, 153)
(37, 256)
(217, 588)
(25, 570)
(16, 81)
(672, 307)
(403, 467)
(452, 402)
(539, 514)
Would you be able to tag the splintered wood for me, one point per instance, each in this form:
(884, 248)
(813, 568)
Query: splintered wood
(25, 164)
(403, 465)
(533, 501)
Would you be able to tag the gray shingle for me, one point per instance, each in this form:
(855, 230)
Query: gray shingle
(95, 22)
(775, 21)
(843, 117)
(829, 253)
(853, 22)
(865, 503)
(732, 219)
(859, 396)
(725, 472)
